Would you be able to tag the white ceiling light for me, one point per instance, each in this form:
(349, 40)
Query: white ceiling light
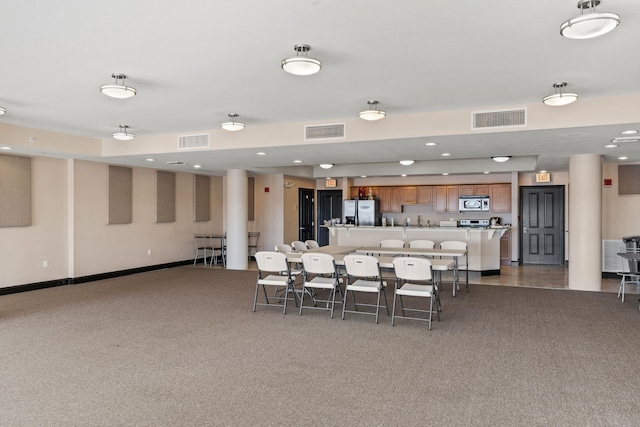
(406, 162)
(233, 125)
(301, 65)
(118, 90)
(611, 146)
(372, 113)
(560, 97)
(628, 132)
(326, 165)
(123, 135)
(592, 24)
(623, 158)
(6, 147)
(431, 144)
(500, 159)
(3, 111)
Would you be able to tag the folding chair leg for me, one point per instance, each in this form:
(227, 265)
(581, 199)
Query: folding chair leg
(378, 307)
(386, 304)
(393, 310)
(430, 309)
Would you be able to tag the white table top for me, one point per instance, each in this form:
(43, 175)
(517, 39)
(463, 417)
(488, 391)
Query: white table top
(412, 251)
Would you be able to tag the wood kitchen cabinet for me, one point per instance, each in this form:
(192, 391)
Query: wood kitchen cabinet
(474, 190)
(384, 194)
(424, 195)
(446, 198)
(500, 198)
(396, 199)
(409, 195)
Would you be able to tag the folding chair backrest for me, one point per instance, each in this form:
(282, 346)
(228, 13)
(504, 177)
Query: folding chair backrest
(284, 248)
(392, 243)
(362, 266)
(311, 244)
(453, 244)
(272, 261)
(424, 244)
(408, 268)
(318, 263)
(299, 245)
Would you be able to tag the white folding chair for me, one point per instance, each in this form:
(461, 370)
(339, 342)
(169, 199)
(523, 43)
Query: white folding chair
(626, 276)
(299, 246)
(311, 244)
(462, 261)
(414, 279)
(363, 275)
(202, 248)
(392, 243)
(424, 244)
(274, 271)
(283, 248)
(320, 273)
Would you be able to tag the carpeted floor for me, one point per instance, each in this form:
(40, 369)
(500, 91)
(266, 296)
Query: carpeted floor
(182, 347)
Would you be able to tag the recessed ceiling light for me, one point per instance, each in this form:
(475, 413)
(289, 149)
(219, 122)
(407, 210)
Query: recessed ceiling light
(150, 160)
(301, 65)
(542, 171)
(623, 158)
(406, 162)
(628, 132)
(363, 176)
(6, 148)
(403, 175)
(261, 153)
(326, 165)
(118, 90)
(197, 166)
(486, 172)
(297, 161)
(611, 146)
(431, 144)
(445, 154)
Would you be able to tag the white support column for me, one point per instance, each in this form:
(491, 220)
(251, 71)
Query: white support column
(585, 222)
(237, 214)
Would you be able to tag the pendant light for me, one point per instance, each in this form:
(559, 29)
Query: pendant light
(372, 113)
(123, 135)
(560, 97)
(301, 65)
(118, 90)
(233, 126)
(589, 25)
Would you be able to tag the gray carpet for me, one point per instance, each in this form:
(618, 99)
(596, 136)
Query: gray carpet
(182, 347)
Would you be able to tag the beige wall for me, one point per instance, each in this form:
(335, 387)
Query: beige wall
(620, 214)
(291, 206)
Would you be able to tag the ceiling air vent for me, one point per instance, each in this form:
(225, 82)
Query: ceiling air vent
(503, 118)
(324, 132)
(193, 141)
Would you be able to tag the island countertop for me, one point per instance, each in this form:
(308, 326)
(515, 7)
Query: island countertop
(483, 243)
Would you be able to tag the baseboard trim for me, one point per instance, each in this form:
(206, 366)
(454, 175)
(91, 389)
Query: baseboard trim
(490, 273)
(85, 279)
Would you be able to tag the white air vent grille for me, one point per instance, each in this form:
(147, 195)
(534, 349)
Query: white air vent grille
(493, 119)
(611, 261)
(314, 133)
(193, 141)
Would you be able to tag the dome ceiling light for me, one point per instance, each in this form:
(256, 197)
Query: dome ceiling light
(372, 113)
(561, 97)
(119, 91)
(589, 25)
(326, 165)
(233, 126)
(301, 65)
(3, 111)
(406, 162)
(123, 135)
(501, 159)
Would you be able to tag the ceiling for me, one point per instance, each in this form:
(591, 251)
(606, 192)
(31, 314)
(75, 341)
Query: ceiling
(197, 61)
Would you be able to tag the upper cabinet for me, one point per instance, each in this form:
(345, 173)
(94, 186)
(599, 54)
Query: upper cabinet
(446, 198)
(474, 190)
(424, 195)
(500, 197)
(409, 195)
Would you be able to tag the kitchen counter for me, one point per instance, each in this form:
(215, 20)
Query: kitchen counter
(483, 243)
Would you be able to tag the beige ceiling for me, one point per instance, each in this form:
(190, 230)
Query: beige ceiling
(431, 64)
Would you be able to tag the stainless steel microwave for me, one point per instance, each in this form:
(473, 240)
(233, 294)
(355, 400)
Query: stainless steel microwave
(473, 204)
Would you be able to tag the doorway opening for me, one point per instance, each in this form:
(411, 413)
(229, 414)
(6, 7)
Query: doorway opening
(542, 236)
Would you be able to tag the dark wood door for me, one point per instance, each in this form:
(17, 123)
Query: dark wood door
(542, 225)
(329, 206)
(305, 214)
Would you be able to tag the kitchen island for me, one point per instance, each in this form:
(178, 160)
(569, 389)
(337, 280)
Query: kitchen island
(483, 243)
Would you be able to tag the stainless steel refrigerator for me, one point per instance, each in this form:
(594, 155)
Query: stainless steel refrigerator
(369, 214)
